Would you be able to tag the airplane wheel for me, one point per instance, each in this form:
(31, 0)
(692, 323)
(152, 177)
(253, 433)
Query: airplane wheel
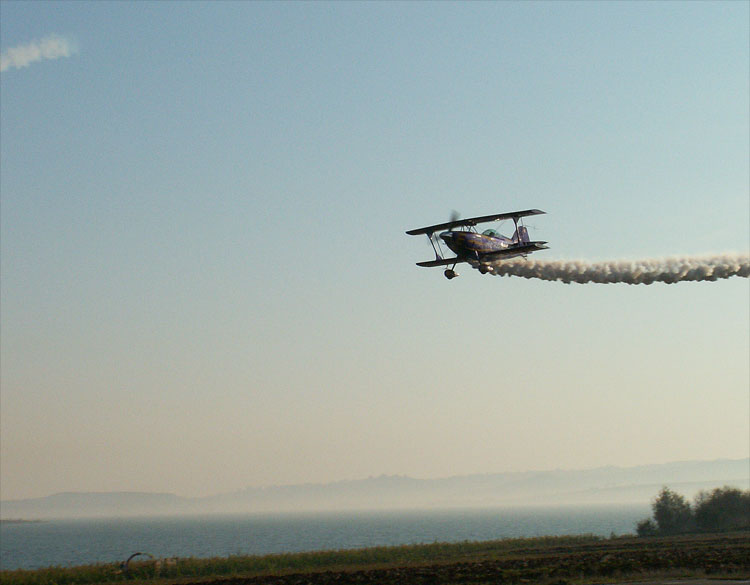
(449, 274)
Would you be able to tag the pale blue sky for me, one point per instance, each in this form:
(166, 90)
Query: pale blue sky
(205, 278)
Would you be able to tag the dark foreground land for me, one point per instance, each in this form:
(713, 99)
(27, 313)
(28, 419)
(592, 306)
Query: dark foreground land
(551, 561)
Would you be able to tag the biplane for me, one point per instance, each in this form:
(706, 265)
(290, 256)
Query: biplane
(480, 250)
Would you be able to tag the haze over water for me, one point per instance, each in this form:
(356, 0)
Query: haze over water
(75, 542)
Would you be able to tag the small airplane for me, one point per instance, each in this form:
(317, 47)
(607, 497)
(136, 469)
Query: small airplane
(479, 250)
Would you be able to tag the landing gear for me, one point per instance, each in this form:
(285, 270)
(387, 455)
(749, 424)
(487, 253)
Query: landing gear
(450, 273)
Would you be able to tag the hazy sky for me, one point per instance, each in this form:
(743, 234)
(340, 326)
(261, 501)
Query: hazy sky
(206, 283)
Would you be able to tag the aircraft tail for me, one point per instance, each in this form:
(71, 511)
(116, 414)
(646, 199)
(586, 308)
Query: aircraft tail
(523, 233)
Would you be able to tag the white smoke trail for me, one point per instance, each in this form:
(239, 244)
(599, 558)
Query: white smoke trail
(51, 47)
(668, 270)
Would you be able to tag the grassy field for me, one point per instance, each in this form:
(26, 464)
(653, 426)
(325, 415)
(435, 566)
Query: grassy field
(553, 560)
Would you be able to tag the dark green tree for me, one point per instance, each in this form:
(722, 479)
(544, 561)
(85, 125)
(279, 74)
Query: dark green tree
(723, 509)
(672, 513)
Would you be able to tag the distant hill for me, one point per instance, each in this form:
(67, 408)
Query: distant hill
(90, 504)
(600, 486)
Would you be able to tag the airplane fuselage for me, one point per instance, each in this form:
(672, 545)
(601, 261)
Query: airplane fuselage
(472, 246)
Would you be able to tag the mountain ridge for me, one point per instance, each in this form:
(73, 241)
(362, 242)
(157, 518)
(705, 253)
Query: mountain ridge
(606, 485)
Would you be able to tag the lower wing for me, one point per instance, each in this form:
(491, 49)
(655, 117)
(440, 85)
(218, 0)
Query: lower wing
(441, 262)
(515, 251)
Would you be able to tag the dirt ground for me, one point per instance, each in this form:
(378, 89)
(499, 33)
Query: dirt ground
(625, 561)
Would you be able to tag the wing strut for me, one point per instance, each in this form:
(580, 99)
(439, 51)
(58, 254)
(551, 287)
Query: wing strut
(438, 255)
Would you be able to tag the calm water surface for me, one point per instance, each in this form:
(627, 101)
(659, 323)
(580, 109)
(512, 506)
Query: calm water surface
(77, 542)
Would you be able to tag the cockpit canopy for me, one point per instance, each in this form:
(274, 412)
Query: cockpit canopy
(493, 233)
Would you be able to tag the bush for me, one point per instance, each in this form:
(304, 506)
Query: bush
(672, 513)
(721, 510)
(646, 527)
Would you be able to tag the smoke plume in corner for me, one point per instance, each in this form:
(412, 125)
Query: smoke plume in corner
(51, 47)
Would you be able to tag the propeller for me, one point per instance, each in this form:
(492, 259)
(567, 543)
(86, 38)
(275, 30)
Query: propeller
(455, 216)
(435, 238)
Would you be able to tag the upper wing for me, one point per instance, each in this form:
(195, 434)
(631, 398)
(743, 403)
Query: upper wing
(471, 221)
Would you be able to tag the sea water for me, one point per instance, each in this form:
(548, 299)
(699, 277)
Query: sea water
(81, 542)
